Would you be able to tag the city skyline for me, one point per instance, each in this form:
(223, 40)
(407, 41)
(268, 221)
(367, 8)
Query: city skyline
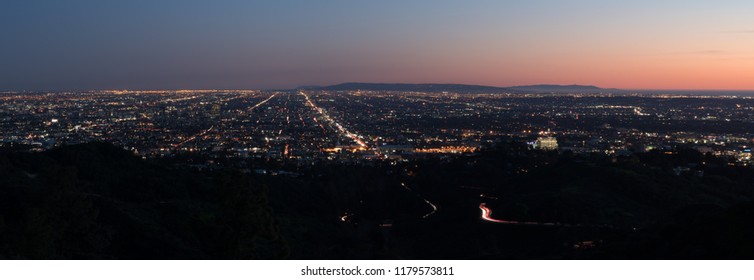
(87, 45)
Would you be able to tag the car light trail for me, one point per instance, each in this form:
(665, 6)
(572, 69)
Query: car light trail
(487, 216)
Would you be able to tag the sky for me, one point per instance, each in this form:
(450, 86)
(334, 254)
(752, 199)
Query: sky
(221, 44)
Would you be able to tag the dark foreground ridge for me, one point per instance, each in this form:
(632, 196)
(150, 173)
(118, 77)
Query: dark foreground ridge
(96, 201)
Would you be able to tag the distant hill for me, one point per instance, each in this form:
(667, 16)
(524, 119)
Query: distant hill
(547, 88)
(459, 88)
(462, 88)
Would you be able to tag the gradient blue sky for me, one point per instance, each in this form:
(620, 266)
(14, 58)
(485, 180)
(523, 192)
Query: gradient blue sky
(57, 45)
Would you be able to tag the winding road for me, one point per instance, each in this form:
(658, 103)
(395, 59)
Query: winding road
(432, 205)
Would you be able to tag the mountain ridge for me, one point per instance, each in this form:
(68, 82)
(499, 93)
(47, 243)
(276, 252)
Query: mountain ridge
(461, 88)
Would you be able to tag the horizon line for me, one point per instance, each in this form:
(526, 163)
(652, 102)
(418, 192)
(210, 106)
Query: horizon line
(397, 83)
